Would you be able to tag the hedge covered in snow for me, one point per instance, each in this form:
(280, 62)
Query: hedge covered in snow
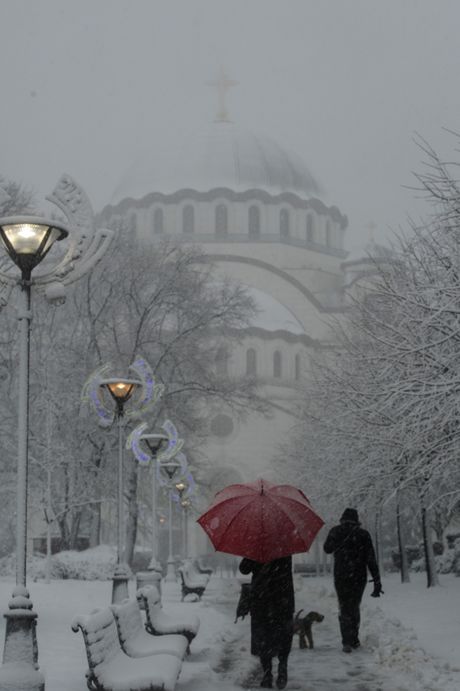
(92, 564)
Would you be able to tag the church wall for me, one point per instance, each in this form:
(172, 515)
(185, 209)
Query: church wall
(238, 221)
(252, 444)
(265, 349)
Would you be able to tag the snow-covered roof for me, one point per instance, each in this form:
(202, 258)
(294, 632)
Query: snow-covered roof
(272, 315)
(221, 155)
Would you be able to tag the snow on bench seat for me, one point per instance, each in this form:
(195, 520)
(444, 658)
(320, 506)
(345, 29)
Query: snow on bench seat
(191, 581)
(110, 669)
(136, 642)
(201, 568)
(158, 622)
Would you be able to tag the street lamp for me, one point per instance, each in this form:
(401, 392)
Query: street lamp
(161, 447)
(27, 240)
(121, 391)
(185, 489)
(155, 444)
(170, 469)
(186, 504)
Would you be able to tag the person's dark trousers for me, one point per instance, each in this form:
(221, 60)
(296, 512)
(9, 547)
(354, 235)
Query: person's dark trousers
(349, 614)
(267, 679)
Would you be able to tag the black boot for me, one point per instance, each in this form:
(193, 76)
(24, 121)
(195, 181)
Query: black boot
(267, 679)
(282, 673)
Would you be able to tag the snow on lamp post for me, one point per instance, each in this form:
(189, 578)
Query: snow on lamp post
(185, 488)
(185, 504)
(153, 449)
(168, 472)
(121, 391)
(27, 241)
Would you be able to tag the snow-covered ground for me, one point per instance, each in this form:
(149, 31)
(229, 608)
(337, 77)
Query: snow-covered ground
(410, 637)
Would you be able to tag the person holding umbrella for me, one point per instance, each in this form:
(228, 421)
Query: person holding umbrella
(265, 524)
(271, 609)
(354, 554)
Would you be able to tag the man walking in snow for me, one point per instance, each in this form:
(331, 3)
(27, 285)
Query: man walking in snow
(354, 554)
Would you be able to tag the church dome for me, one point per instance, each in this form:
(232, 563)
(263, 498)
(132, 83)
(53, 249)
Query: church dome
(221, 155)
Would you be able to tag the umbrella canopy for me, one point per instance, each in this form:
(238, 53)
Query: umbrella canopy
(261, 521)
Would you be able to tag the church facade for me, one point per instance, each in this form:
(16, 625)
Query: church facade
(257, 213)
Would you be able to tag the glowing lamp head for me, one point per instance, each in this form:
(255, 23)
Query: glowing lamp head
(180, 486)
(28, 239)
(121, 390)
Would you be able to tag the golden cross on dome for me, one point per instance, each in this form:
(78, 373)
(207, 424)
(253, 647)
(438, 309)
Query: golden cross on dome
(222, 84)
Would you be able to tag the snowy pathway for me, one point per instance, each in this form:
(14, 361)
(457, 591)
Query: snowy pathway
(325, 668)
(391, 659)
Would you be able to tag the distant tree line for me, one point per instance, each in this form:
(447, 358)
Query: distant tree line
(381, 414)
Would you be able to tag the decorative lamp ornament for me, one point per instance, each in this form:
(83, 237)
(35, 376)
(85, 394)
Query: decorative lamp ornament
(162, 447)
(121, 390)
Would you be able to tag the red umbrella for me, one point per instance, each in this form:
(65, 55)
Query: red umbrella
(261, 521)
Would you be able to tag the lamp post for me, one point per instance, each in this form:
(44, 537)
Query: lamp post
(160, 447)
(171, 469)
(185, 488)
(155, 443)
(185, 503)
(121, 391)
(27, 241)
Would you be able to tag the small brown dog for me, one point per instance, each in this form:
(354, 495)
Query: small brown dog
(303, 627)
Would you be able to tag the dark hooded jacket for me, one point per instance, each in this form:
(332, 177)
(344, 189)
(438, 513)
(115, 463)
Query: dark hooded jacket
(354, 554)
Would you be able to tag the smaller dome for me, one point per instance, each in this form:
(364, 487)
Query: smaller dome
(222, 155)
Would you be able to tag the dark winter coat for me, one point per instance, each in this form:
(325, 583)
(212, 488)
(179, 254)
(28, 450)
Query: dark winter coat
(271, 606)
(354, 554)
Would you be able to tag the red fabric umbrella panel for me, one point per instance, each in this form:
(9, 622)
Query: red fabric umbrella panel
(261, 521)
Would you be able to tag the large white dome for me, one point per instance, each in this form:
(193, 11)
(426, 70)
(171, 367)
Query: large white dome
(222, 155)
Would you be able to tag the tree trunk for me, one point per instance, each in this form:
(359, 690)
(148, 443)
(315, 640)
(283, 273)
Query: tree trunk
(131, 523)
(75, 528)
(430, 566)
(95, 525)
(65, 532)
(403, 562)
(97, 457)
(378, 540)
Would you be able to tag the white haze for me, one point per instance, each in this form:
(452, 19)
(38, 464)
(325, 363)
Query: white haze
(345, 84)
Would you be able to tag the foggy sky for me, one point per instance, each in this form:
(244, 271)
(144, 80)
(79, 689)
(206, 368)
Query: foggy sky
(88, 84)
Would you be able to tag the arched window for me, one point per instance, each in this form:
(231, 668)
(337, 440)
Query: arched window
(297, 364)
(221, 220)
(158, 225)
(277, 364)
(284, 223)
(251, 362)
(328, 234)
(310, 228)
(188, 219)
(254, 222)
(222, 362)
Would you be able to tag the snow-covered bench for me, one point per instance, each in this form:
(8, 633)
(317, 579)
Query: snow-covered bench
(202, 569)
(136, 642)
(158, 622)
(192, 582)
(110, 669)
